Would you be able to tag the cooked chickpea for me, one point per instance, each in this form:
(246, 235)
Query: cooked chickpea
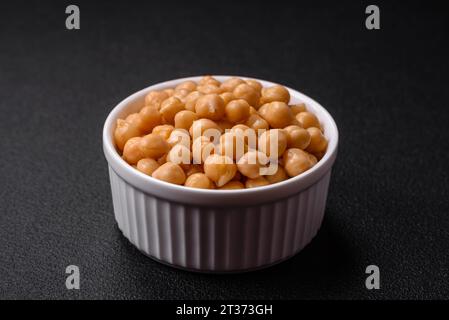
(181, 94)
(191, 99)
(279, 176)
(318, 142)
(209, 89)
(246, 92)
(210, 106)
(250, 163)
(249, 134)
(297, 108)
(209, 80)
(169, 92)
(255, 84)
(132, 152)
(169, 109)
(277, 114)
(230, 84)
(162, 160)
(232, 185)
(198, 180)
(275, 93)
(225, 125)
(170, 172)
(273, 142)
(193, 168)
(237, 111)
(202, 148)
(155, 98)
(220, 169)
(186, 85)
(123, 132)
(201, 125)
(297, 137)
(252, 111)
(227, 97)
(184, 119)
(153, 146)
(257, 123)
(296, 161)
(307, 120)
(164, 130)
(256, 182)
(150, 118)
(147, 165)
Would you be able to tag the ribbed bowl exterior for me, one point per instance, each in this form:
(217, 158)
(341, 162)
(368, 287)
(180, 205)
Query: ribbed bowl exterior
(218, 239)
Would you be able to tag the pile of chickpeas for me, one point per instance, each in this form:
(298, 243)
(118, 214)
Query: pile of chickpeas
(152, 139)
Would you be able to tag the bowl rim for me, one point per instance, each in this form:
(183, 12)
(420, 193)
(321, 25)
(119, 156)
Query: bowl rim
(214, 197)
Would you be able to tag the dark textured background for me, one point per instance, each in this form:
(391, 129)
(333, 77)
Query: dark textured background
(387, 90)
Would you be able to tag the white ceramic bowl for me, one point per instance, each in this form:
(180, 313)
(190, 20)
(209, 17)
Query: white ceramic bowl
(218, 230)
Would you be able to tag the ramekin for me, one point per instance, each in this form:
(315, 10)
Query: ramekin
(218, 230)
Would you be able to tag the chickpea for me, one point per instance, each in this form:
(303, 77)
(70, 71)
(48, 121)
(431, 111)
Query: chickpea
(123, 132)
(231, 185)
(276, 149)
(198, 180)
(220, 169)
(246, 92)
(179, 136)
(169, 109)
(238, 176)
(210, 106)
(307, 120)
(277, 114)
(250, 163)
(179, 154)
(230, 84)
(297, 137)
(164, 130)
(147, 166)
(232, 145)
(297, 108)
(256, 182)
(181, 94)
(150, 118)
(279, 176)
(169, 92)
(209, 80)
(318, 142)
(186, 85)
(132, 152)
(255, 84)
(191, 99)
(252, 110)
(134, 118)
(193, 168)
(225, 125)
(184, 119)
(170, 172)
(237, 110)
(257, 123)
(201, 125)
(202, 148)
(162, 159)
(227, 97)
(296, 161)
(153, 146)
(275, 93)
(155, 98)
(209, 89)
